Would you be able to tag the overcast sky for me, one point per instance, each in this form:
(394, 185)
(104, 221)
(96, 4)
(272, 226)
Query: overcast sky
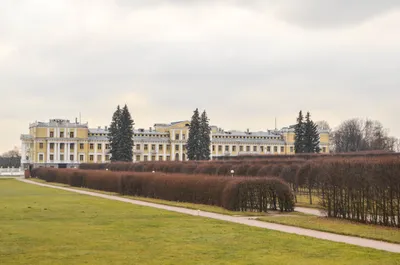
(245, 62)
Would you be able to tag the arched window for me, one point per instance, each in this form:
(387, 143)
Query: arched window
(184, 157)
(177, 157)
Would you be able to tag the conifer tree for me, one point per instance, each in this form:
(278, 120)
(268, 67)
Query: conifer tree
(194, 140)
(114, 136)
(311, 136)
(205, 137)
(299, 131)
(126, 136)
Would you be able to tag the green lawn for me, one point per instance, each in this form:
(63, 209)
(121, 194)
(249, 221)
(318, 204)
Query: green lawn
(338, 226)
(304, 201)
(40, 225)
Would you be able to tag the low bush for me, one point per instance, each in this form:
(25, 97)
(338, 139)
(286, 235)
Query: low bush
(236, 194)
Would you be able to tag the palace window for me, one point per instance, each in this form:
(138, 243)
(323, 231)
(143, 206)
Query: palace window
(153, 147)
(81, 158)
(168, 158)
(138, 147)
(51, 145)
(145, 158)
(71, 147)
(62, 145)
(146, 147)
(282, 149)
(51, 134)
(107, 157)
(275, 149)
(168, 147)
(247, 148)
(183, 136)
(219, 148)
(177, 136)
(107, 146)
(71, 135)
(138, 158)
(262, 148)
(213, 148)
(153, 158)
(255, 148)
(40, 145)
(160, 147)
(98, 158)
(51, 157)
(160, 158)
(40, 157)
(91, 157)
(268, 148)
(98, 146)
(234, 148)
(62, 157)
(241, 148)
(323, 149)
(61, 134)
(291, 149)
(81, 146)
(71, 157)
(177, 147)
(226, 148)
(91, 146)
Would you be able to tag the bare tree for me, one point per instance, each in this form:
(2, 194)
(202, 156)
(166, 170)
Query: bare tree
(11, 158)
(323, 125)
(361, 135)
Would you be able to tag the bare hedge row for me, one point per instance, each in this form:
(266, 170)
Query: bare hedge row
(311, 156)
(236, 194)
(364, 190)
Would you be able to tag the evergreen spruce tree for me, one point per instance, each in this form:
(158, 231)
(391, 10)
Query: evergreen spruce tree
(205, 137)
(194, 140)
(114, 136)
(299, 131)
(126, 136)
(311, 136)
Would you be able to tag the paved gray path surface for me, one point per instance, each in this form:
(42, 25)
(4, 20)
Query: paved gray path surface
(311, 211)
(243, 220)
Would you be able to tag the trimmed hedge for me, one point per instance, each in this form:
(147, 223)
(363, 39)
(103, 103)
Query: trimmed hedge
(236, 194)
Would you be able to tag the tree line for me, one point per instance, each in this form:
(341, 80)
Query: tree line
(11, 158)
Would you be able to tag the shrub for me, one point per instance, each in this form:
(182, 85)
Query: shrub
(237, 194)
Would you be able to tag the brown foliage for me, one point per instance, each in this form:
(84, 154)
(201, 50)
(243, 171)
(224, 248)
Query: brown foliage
(237, 194)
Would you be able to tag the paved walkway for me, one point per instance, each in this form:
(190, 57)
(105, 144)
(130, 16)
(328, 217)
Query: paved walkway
(311, 211)
(241, 220)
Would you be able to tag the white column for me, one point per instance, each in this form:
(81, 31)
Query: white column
(165, 151)
(180, 136)
(48, 153)
(68, 152)
(76, 151)
(181, 150)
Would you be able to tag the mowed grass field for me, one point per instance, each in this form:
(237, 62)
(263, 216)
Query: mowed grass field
(40, 225)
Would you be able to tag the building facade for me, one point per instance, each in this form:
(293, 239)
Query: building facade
(61, 143)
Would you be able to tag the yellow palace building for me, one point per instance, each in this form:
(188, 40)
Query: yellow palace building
(61, 143)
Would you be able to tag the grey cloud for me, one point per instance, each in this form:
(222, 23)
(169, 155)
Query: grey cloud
(320, 13)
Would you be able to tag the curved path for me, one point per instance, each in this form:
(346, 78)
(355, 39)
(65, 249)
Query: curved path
(243, 220)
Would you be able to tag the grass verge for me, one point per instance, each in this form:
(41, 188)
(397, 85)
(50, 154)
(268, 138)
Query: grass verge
(337, 226)
(202, 207)
(39, 225)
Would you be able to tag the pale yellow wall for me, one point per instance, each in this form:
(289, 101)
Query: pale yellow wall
(82, 133)
(324, 138)
(40, 133)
